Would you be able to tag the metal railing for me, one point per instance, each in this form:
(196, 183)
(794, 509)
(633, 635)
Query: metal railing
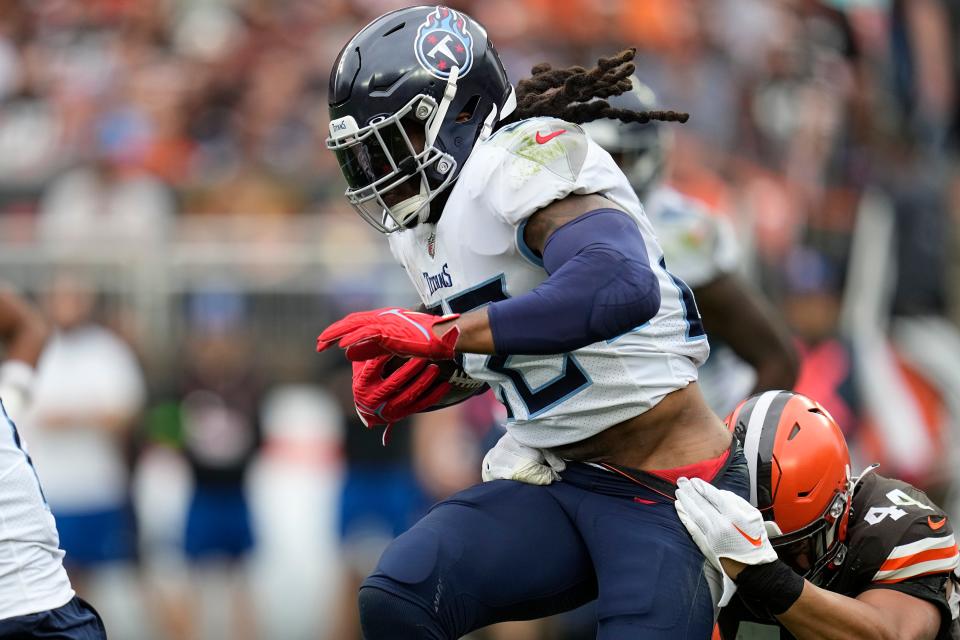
(294, 274)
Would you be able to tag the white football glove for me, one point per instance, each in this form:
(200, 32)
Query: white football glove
(510, 460)
(723, 525)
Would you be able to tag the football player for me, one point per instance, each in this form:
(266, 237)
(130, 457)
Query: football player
(701, 250)
(36, 599)
(530, 243)
(816, 553)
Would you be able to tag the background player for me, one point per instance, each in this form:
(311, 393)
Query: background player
(554, 292)
(700, 249)
(36, 599)
(23, 333)
(869, 557)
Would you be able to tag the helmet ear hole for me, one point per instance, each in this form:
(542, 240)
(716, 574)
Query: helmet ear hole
(469, 110)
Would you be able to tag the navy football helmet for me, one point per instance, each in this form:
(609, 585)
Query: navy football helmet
(639, 149)
(410, 96)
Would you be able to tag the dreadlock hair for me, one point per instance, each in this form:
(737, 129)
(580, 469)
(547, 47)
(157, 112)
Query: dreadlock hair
(576, 94)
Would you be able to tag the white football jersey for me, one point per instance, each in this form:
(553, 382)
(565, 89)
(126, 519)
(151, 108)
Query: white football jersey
(32, 577)
(699, 248)
(476, 255)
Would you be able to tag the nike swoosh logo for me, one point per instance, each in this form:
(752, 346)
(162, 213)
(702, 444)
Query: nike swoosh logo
(754, 541)
(550, 136)
(936, 525)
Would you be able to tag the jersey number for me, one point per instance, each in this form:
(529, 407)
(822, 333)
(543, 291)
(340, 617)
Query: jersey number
(899, 499)
(690, 312)
(572, 377)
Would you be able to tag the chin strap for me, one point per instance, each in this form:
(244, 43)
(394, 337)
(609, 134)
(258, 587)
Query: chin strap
(449, 93)
(509, 105)
(488, 123)
(436, 122)
(419, 202)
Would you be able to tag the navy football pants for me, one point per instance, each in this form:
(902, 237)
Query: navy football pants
(75, 620)
(505, 550)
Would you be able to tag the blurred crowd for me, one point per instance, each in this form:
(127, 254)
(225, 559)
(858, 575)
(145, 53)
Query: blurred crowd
(826, 131)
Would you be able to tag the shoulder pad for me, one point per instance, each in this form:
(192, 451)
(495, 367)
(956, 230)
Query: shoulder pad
(557, 145)
(527, 165)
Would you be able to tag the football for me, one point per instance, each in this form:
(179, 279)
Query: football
(462, 385)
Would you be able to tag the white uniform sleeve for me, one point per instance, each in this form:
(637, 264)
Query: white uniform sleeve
(526, 166)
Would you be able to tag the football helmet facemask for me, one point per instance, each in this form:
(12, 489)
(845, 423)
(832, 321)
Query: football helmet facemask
(410, 95)
(799, 477)
(640, 149)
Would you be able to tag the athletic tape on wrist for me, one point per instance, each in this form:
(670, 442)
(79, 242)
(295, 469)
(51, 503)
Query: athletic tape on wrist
(774, 584)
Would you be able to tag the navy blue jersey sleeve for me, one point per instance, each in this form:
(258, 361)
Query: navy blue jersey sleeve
(601, 284)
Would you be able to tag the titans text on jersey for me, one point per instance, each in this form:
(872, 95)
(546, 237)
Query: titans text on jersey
(440, 280)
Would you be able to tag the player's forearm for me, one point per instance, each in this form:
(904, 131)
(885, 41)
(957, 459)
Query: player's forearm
(823, 615)
(476, 336)
(22, 329)
(812, 613)
(22, 334)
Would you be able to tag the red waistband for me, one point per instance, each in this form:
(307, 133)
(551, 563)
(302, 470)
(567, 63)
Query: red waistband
(705, 469)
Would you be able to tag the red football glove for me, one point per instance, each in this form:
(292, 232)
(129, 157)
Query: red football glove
(408, 390)
(392, 330)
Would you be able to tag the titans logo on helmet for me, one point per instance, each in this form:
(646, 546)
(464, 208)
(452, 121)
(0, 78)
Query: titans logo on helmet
(443, 42)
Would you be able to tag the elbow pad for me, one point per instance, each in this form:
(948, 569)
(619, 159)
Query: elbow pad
(601, 285)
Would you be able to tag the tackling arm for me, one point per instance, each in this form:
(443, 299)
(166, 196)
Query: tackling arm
(880, 614)
(22, 329)
(23, 332)
(733, 312)
(731, 534)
